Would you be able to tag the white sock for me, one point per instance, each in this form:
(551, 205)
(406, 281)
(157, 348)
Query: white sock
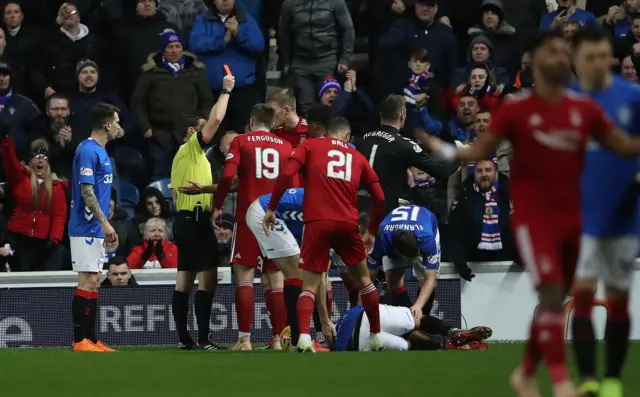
(304, 338)
(244, 335)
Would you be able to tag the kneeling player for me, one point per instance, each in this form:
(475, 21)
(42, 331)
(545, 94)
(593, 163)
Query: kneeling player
(400, 331)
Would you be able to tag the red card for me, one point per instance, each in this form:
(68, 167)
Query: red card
(226, 68)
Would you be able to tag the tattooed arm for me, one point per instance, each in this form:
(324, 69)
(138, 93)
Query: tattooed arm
(91, 201)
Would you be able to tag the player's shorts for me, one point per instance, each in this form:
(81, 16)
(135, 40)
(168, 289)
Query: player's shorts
(320, 236)
(87, 254)
(337, 261)
(549, 250)
(280, 243)
(610, 259)
(246, 251)
(395, 322)
(196, 242)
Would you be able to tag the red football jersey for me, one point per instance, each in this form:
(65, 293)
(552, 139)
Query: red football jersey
(333, 170)
(260, 156)
(295, 137)
(549, 142)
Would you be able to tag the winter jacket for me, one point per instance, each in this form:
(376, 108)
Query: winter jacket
(240, 53)
(21, 115)
(315, 31)
(497, 74)
(356, 107)
(505, 47)
(160, 99)
(44, 223)
(137, 260)
(81, 104)
(128, 236)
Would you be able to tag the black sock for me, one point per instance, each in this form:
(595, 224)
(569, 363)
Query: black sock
(400, 299)
(584, 346)
(353, 298)
(291, 294)
(91, 320)
(617, 338)
(180, 308)
(316, 320)
(80, 306)
(204, 300)
(433, 325)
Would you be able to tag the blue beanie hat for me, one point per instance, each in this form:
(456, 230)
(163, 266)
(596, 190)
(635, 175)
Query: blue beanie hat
(170, 36)
(330, 82)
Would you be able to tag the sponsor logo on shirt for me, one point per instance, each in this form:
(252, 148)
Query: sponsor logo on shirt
(417, 148)
(85, 171)
(559, 140)
(229, 156)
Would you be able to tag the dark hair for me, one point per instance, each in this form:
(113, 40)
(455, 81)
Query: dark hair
(543, 38)
(320, 114)
(141, 212)
(114, 195)
(101, 114)
(391, 108)
(589, 35)
(419, 54)
(263, 114)
(338, 124)
(405, 243)
(118, 260)
(363, 222)
(57, 95)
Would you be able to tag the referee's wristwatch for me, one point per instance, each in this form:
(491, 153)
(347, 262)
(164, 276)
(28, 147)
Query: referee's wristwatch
(225, 91)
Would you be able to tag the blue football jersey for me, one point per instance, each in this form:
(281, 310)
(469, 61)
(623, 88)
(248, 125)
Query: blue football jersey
(345, 327)
(91, 165)
(413, 218)
(289, 210)
(607, 208)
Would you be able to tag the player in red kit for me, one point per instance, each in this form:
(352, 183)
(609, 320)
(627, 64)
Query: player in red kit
(333, 171)
(288, 125)
(549, 129)
(258, 158)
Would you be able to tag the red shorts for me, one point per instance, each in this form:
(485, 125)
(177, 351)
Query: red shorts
(549, 249)
(320, 236)
(246, 251)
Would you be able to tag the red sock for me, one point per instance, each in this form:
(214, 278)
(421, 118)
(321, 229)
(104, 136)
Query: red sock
(266, 290)
(398, 291)
(549, 333)
(350, 286)
(244, 305)
(278, 311)
(329, 297)
(619, 310)
(306, 303)
(582, 304)
(371, 304)
(531, 352)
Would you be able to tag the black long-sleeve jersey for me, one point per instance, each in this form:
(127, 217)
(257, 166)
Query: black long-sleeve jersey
(390, 155)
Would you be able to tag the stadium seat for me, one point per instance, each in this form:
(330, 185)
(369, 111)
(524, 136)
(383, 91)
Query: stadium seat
(129, 194)
(131, 165)
(164, 186)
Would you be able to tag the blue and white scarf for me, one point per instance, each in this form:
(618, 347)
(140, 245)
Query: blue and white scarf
(4, 99)
(490, 239)
(174, 68)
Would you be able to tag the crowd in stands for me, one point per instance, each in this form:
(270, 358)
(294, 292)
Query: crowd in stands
(161, 62)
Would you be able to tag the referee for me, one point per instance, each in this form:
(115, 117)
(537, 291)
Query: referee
(390, 154)
(192, 229)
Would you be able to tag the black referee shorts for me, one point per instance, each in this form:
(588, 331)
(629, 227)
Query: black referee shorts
(196, 241)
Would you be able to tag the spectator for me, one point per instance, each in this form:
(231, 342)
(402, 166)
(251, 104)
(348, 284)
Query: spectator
(156, 251)
(504, 153)
(567, 10)
(90, 92)
(173, 84)
(425, 191)
(348, 102)
(128, 234)
(629, 44)
(480, 86)
(22, 42)
(480, 52)
(119, 274)
(480, 220)
(628, 69)
(419, 30)
(55, 70)
(525, 16)
(226, 35)
(500, 33)
(40, 211)
(224, 236)
(5, 246)
(422, 81)
(54, 127)
(182, 13)
(619, 17)
(140, 36)
(569, 28)
(315, 39)
(153, 204)
(17, 112)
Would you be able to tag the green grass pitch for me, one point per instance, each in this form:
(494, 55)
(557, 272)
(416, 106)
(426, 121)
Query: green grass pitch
(168, 372)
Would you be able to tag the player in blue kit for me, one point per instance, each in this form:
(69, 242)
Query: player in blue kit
(610, 217)
(89, 228)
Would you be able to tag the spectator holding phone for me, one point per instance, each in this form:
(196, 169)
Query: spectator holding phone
(567, 11)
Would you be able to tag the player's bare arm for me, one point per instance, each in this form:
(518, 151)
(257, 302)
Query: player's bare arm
(619, 142)
(426, 290)
(481, 149)
(91, 201)
(328, 329)
(219, 110)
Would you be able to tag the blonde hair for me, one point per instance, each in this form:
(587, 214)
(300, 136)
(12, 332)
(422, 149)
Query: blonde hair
(47, 179)
(282, 98)
(151, 222)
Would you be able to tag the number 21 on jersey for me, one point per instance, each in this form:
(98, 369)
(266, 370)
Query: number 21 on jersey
(339, 167)
(267, 163)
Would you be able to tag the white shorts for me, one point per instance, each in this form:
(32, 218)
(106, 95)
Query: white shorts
(610, 259)
(395, 322)
(280, 243)
(87, 254)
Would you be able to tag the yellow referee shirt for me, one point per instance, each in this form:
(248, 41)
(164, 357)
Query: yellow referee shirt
(191, 164)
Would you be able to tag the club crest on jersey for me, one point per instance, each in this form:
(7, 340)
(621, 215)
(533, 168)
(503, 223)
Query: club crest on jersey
(575, 118)
(85, 171)
(303, 138)
(535, 120)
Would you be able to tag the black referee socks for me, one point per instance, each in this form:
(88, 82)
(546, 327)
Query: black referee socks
(203, 303)
(80, 309)
(292, 290)
(180, 308)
